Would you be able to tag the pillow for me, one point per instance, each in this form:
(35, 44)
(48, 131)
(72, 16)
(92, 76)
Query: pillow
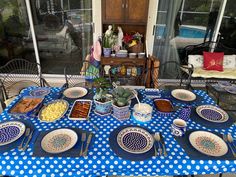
(229, 61)
(196, 60)
(213, 61)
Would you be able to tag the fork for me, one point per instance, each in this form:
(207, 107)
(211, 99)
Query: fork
(83, 139)
(154, 145)
(227, 142)
(157, 138)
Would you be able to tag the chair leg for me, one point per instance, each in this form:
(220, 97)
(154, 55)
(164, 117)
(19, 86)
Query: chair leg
(220, 175)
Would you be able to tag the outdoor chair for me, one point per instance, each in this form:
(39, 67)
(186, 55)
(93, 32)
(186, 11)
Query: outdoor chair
(18, 74)
(127, 73)
(80, 74)
(170, 71)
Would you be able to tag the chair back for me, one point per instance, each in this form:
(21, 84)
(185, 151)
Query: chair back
(81, 74)
(170, 70)
(18, 74)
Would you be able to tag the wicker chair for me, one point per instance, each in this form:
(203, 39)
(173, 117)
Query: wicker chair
(81, 74)
(18, 74)
(169, 70)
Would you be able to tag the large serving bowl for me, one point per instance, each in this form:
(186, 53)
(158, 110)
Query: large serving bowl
(53, 110)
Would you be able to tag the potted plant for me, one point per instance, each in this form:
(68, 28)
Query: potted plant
(102, 99)
(121, 103)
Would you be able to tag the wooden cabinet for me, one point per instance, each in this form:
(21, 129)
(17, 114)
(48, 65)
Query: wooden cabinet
(125, 11)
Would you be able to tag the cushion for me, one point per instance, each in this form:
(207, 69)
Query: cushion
(195, 60)
(229, 61)
(226, 74)
(213, 61)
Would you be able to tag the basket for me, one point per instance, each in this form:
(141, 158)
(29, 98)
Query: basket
(136, 48)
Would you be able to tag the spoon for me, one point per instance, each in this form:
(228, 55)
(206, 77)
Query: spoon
(231, 140)
(27, 132)
(136, 96)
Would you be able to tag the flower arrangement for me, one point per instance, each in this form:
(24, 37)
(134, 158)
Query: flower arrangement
(132, 39)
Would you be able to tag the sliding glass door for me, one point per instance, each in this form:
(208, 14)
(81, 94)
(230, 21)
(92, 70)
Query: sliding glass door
(14, 31)
(64, 32)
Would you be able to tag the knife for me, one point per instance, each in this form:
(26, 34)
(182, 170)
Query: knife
(87, 144)
(163, 145)
(27, 142)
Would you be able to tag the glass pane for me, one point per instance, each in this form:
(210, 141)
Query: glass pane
(14, 31)
(228, 26)
(64, 32)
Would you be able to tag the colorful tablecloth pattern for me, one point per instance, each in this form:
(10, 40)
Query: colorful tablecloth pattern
(102, 160)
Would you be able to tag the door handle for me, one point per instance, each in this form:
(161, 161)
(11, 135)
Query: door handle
(126, 5)
(123, 5)
(154, 30)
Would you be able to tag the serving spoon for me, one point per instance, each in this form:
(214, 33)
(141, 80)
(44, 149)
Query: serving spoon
(27, 132)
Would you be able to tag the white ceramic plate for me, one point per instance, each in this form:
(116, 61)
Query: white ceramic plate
(135, 140)
(208, 143)
(183, 95)
(212, 113)
(75, 92)
(11, 131)
(59, 140)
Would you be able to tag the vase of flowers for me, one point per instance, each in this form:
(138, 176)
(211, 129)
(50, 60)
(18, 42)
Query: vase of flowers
(133, 42)
(108, 41)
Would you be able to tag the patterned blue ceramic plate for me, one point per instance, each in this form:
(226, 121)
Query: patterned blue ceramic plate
(135, 140)
(212, 113)
(224, 84)
(11, 131)
(208, 143)
(40, 92)
(59, 140)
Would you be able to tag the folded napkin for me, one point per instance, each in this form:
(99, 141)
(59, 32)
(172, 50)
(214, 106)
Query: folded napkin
(73, 152)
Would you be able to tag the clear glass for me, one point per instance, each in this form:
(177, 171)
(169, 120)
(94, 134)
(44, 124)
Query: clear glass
(14, 31)
(64, 32)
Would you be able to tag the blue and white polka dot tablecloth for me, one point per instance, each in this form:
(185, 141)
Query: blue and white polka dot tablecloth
(103, 161)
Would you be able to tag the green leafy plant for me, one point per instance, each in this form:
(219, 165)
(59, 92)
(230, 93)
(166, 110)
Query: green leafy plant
(121, 96)
(102, 85)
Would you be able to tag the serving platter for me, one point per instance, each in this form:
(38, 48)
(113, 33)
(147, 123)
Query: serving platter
(183, 95)
(53, 111)
(11, 131)
(58, 141)
(212, 113)
(135, 140)
(75, 92)
(208, 143)
(40, 91)
(80, 109)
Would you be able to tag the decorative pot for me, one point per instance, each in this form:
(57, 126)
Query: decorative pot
(142, 112)
(107, 52)
(121, 113)
(103, 108)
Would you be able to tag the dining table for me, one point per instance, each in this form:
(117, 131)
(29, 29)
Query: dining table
(101, 159)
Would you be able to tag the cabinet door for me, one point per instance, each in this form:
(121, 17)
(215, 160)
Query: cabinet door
(136, 11)
(113, 11)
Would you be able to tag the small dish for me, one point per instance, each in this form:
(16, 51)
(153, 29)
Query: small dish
(163, 106)
(41, 91)
(132, 55)
(75, 92)
(224, 84)
(80, 110)
(231, 89)
(183, 95)
(141, 55)
(59, 140)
